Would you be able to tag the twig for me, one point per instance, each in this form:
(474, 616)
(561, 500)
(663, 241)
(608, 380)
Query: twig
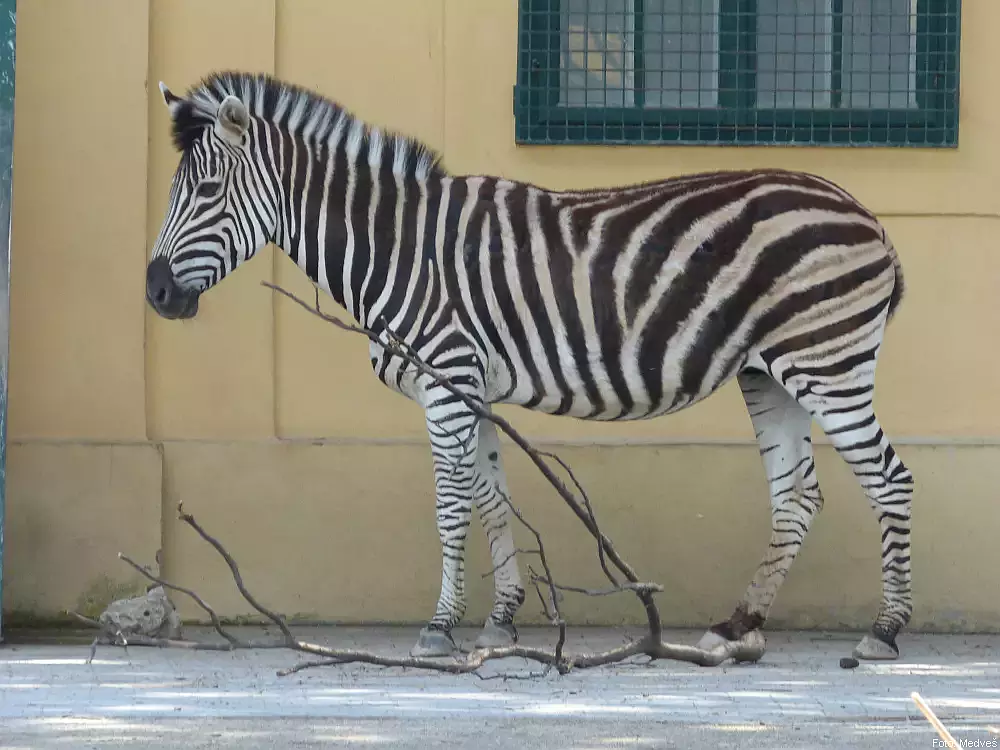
(549, 614)
(515, 677)
(105, 630)
(235, 570)
(507, 559)
(638, 588)
(138, 639)
(590, 512)
(89, 622)
(308, 665)
(452, 665)
(216, 623)
(465, 445)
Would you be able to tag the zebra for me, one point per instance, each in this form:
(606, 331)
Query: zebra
(602, 304)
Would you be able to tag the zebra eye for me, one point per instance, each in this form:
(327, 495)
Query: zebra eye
(208, 189)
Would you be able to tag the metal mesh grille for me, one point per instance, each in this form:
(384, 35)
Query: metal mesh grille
(853, 72)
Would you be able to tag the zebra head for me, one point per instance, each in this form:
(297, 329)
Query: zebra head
(214, 220)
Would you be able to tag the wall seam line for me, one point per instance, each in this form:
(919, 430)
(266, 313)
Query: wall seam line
(443, 47)
(147, 397)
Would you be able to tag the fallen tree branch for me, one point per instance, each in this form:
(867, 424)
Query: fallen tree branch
(650, 645)
(466, 664)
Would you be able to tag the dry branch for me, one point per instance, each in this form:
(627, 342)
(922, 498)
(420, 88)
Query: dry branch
(235, 569)
(651, 644)
(590, 514)
(639, 588)
(507, 559)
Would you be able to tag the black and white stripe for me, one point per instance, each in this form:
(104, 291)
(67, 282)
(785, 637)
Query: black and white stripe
(608, 304)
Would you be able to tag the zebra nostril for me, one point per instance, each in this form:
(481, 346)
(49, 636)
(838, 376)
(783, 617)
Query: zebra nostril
(161, 289)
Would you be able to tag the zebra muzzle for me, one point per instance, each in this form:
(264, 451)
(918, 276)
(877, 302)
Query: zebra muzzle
(165, 296)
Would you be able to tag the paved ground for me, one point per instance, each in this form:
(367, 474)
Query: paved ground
(797, 697)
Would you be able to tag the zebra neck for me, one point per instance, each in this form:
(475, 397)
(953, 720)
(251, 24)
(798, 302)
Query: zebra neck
(353, 226)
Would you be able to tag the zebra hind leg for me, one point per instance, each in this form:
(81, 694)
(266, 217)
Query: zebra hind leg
(853, 429)
(492, 502)
(782, 427)
(837, 388)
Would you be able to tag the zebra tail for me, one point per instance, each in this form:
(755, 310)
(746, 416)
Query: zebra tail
(899, 288)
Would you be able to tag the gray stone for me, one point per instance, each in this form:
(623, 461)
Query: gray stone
(152, 615)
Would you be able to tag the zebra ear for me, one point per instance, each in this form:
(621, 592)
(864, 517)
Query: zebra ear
(172, 101)
(233, 120)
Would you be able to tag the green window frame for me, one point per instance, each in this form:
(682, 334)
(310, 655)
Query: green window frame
(630, 107)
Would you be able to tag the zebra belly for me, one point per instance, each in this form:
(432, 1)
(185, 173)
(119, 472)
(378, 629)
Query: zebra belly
(610, 404)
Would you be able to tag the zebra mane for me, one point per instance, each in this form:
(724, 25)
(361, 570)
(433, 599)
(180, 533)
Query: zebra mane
(299, 111)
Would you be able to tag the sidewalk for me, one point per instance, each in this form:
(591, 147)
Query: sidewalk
(797, 696)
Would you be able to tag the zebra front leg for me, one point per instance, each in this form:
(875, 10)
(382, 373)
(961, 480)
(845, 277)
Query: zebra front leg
(453, 432)
(782, 427)
(492, 497)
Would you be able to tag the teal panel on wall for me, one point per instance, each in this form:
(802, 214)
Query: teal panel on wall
(8, 24)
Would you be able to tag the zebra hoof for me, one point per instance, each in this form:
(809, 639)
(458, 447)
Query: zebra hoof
(497, 635)
(434, 643)
(873, 649)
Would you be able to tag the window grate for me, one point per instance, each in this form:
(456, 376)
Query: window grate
(831, 72)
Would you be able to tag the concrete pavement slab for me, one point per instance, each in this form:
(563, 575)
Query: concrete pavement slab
(797, 696)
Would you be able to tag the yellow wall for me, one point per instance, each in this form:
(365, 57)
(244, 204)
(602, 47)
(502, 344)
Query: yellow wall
(269, 426)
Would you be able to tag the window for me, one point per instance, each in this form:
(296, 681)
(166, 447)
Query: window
(852, 72)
